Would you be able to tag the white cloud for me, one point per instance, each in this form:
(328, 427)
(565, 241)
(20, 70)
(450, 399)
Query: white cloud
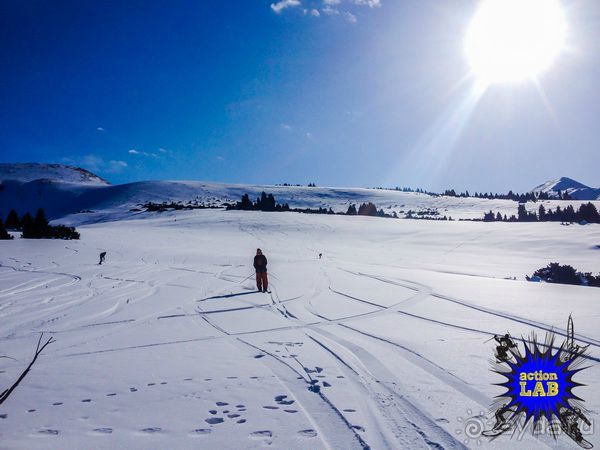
(309, 135)
(100, 129)
(114, 166)
(283, 4)
(95, 163)
(349, 17)
(133, 151)
(331, 11)
(345, 9)
(369, 3)
(286, 126)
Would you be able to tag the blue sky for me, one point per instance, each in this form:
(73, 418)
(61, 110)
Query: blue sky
(336, 92)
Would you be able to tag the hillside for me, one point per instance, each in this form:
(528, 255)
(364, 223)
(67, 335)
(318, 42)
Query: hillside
(92, 200)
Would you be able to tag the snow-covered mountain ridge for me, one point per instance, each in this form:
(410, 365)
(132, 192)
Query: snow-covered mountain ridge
(575, 189)
(76, 196)
(27, 172)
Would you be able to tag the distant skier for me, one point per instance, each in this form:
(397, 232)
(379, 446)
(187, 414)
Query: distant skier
(320, 255)
(260, 265)
(102, 256)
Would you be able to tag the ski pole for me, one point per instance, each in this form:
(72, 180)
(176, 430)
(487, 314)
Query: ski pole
(247, 278)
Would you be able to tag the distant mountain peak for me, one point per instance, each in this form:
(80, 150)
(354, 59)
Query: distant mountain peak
(575, 189)
(27, 172)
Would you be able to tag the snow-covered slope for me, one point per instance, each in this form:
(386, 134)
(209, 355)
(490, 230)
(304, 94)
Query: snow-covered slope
(574, 188)
(166, 345)
(26, 172)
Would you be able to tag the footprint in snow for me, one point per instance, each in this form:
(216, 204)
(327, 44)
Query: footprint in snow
(359, 428)
(222, 403)
(132, 389)
(241, 421)
(258, 356)
(240, 406)
(152, 430)
(326, 384)
(3, 416)
(86, 400)
(31, 410)
(111, 395)
(271, 407)
(151, 384)
(264, 434)
(57, 403)
(213, 420)
(201, 432)
(103, 430)
(291, 411)
(442, 420)
(349, 410)
(49, 432)
(232, 416)
(187, 379)
(232, 378)
(308, 433)
(163, 382)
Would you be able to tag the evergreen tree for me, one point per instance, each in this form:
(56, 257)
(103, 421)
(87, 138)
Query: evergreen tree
(589, 213)
(367, 209)
(27, 227)
(542, 213)
(522, 212)
(499, 217)
(246, 203)
(351, 210)
(3, 233)
(40, 223)
(12, 220)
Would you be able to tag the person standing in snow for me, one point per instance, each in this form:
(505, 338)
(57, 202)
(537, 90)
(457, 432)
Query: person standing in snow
(260, 265)
(102, 256)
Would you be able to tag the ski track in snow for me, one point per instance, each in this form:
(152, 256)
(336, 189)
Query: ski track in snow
(317, 332)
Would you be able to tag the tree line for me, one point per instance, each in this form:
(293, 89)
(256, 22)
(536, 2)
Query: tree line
(587, 212)
(35, 227)
(521, 198)
(266, 202)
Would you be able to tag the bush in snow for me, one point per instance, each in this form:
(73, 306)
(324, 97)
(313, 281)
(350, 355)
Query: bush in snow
(565, 274)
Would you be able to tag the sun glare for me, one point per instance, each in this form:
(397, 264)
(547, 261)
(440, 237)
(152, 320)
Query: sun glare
(514, 40)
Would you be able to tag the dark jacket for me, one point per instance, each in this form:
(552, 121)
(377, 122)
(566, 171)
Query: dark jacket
(260, 263)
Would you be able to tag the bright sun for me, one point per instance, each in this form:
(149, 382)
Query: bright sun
(513, 40)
